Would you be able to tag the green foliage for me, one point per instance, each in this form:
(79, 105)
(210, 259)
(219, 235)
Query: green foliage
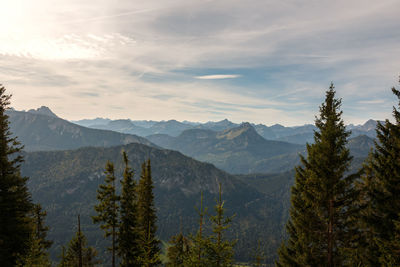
(150, 254)
(78, 252)
(15, 200)
(40, 229)
(178, 251)
(128, 238)
(219, 250)
(197, 248)
(36, 256)
(108, 209)
(322, 226)
(380, 189)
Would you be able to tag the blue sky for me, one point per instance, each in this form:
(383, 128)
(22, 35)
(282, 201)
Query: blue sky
(259, 61)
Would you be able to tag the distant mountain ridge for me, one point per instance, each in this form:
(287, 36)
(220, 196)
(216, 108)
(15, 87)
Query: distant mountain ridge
(297, 134)
(236, 150)
(42, 130)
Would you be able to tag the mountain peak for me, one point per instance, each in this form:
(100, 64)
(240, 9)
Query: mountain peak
(244, 128)
(245, 125)
(369, 125)
(43, 110)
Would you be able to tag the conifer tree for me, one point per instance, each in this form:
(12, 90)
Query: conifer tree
(150, 252)
(321, 226)
(37, 254)
(381, 190)
(41, 229)
(196, 255)
(178, 251)
(108, 209)
(219, 251)
(78, 253)
(15, 200)
(128, 238)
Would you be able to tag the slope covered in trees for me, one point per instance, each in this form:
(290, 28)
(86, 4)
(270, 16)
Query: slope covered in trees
(65, 182)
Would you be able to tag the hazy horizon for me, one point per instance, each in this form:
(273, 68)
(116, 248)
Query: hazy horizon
(259, 61)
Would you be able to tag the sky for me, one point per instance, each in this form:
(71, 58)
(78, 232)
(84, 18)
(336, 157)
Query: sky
(202, 60)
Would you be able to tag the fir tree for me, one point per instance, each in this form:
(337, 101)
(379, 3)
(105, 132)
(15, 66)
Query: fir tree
(178, 251)
(150, 252)
(37, 254)
(321, 226)
(15, 200)
(381, 190)
(196, 255)
(219, 251)
(40, 231)
(128, 238)
(108, 209)
(78, 253)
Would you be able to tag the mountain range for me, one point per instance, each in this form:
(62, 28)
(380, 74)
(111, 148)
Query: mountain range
(65, 181)
(297, 134)
(239, 149)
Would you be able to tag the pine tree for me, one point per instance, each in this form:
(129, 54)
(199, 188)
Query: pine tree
(108, 209)
(37, 254)
(128, 238)
(219, 251)
(321, 226)
(178, 252)
(15, 200)
(41, 229)
(150, 253)
(196, 255)
(78, 253)
(381, 190)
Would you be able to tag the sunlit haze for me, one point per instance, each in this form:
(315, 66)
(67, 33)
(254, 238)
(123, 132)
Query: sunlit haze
(258, 61)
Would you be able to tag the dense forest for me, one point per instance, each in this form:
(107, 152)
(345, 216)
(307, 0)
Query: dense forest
(339, 215)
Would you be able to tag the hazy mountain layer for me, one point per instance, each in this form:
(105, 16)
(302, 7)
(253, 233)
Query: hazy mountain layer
(298, 134)
(236, 150)
(40, 132)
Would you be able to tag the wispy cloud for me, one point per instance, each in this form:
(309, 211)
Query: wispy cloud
(218, 76)
(166, 60)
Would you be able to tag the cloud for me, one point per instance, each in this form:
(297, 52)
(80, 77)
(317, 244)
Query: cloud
(218, 76)
(153, 58)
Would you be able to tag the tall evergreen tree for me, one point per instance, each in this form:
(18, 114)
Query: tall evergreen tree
(15, 200)
(219, 250)
(150, 253)
(381, 190)
(321, 228)
(108, 209)
(128, 238)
